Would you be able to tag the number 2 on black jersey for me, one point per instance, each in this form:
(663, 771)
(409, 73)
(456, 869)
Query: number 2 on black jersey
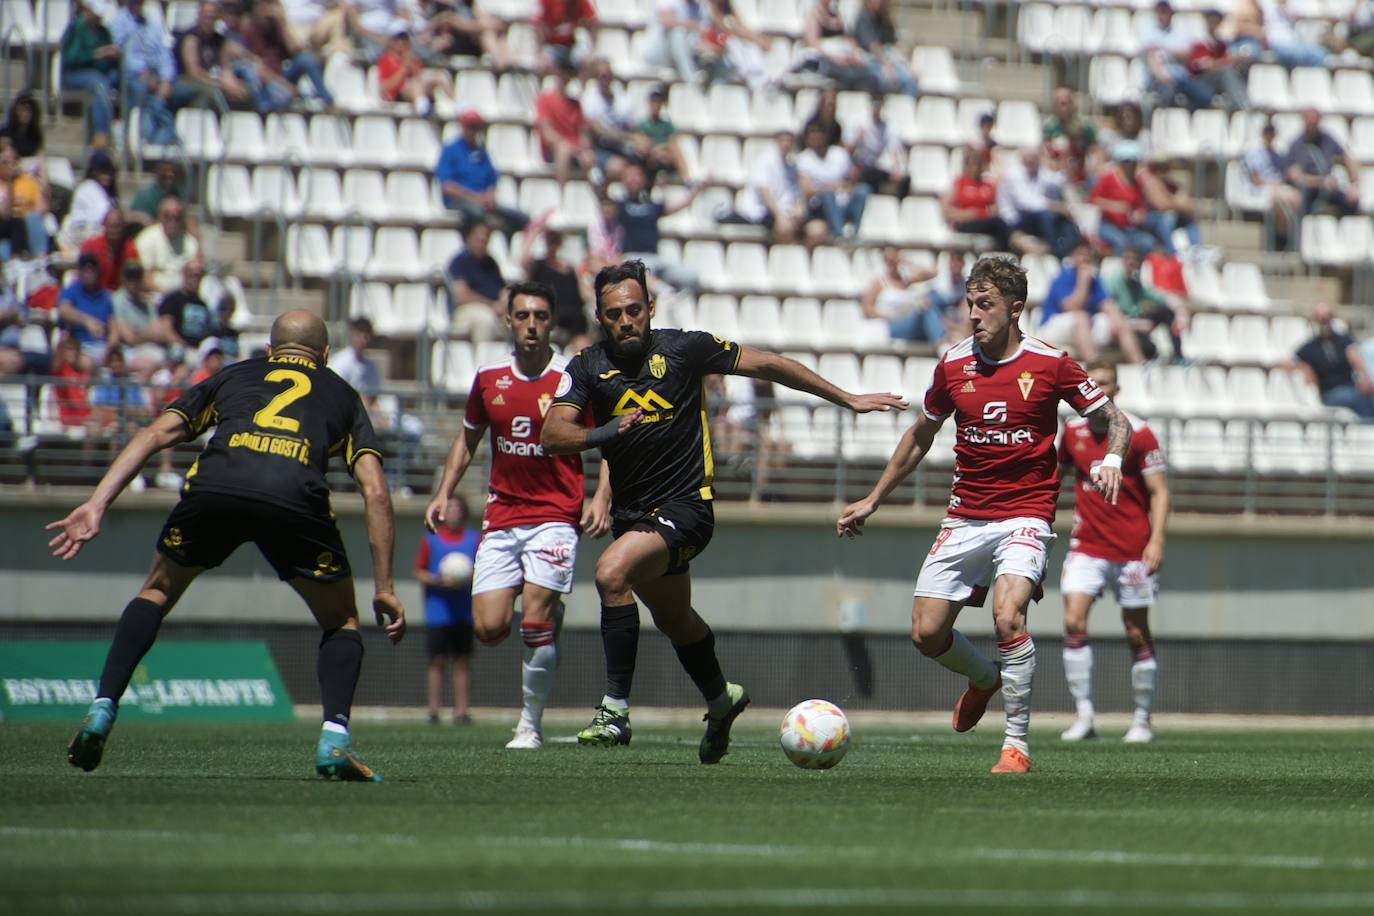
(270, 416)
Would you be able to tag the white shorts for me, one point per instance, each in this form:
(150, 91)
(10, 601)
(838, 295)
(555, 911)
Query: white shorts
(541, 555)
(969, 555)
(1132, 583)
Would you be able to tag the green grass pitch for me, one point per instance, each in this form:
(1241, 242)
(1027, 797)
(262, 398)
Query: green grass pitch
(229, 820)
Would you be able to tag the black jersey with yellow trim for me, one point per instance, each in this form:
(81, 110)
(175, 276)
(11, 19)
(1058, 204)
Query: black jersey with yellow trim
(277, 423)
(667, 455)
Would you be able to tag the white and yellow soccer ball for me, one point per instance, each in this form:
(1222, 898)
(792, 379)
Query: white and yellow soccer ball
(456, 569)
(815, 734)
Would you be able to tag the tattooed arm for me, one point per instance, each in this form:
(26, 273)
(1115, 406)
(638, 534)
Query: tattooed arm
(1108, 478)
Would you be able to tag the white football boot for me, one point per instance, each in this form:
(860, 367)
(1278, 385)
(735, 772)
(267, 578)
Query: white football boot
(527, 737)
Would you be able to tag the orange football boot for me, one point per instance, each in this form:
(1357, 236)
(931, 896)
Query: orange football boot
(972, 704)
(1012, 761)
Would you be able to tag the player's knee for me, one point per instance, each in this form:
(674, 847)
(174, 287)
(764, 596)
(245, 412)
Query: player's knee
(1008, 621)
(613, 582)
(489, 635)
(930, 641)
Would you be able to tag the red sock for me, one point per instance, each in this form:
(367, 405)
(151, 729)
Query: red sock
(1075, 640)
(537, 634)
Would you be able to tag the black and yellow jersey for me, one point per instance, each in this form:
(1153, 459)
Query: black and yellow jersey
(667, 455)
(277, 423)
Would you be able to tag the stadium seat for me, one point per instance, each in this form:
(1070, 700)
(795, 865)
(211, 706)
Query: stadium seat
(1355, 450)
(244, 139)
(707, 258)
(1171, 130)
(929, 169)
(308, 252)
(935, 69)
(540, 196)
(476, 89)
(438, 247)
(719, 315)
(414, 310)
(1017, 125)
(372, 301)
(331, 140)
(1035, 29)
(579, 206)
(396, 253)
(1310, 87)
(720, 160)
(417, 144)
(1208, 339)
(1244, 282)
(789, 269)
(1353, 91)
(374, 141)
(198, 129)
(1249, 340)
(841, 321)
(1108, 81)
(688, 110)
(1285, 448)
(229, 191)
(1202, 445)
(348, 84)
(936, 121)
(1247, 392)
(924, 222)
(1286, 334)
(970, 112)
(727, 109)
(286, 134)
(1320, 240)
(746, 267)
(20, 22)
(1268, 87)
(882, 221)
(408, 198)
(782, 17)
(321, 194)
(771, 112)
(515, 94)
(760, 322)
(351, 247)
(365, 194)
(452, 365)
(508, 145)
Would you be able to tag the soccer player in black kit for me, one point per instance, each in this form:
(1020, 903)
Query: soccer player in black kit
(277, 423)
(645, 388)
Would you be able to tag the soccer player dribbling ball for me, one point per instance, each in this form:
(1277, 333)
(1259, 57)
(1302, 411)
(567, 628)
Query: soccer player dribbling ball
(260, 478)
(645, 389)
(1120, 547)
(534, 504)
(1003, 390)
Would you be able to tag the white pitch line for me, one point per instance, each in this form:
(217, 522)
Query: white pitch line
(763, 850)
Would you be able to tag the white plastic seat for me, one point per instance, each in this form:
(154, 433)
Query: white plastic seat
(347, 84)
(331, 140)
(413, 309)
(396, 253)
(438, 247)
(1017, 125)
(1208, 338)
(374, 141)
(719, 315)
(708, 260)
(688, 110)
(274, 187)
(229, 191)
(1171, 131)
(881, 220)
(720, 160)
(539, 196)
(417, 144)
(924, 223)
(970, 112)
(286, 135)
(1268, 87)
(198, 129)
(1355, 451)
(364, 193)
(452, 365)
(1284, 448)
(930, 170)
(1244, 281)
(1249, 339)
(1320, 240)
(746, 266)
(840, 369)
(1035, 29)
(841, 321)
(20, 22)
(789, 269)
(408, 197)
(727, 109)
(371, 300)
(1353, 92)
(1201, 445)
(1310, 87)
(935, 65)
(770, 112)
(760, 321)
(936, 121)
(308, 251)
(322, 195)
(244, 138)
(1109, 81)
(801, 322)
(351, 247)
(1246, 390)
(831, 273)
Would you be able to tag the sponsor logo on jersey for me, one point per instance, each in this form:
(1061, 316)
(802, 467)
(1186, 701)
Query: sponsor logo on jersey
(1025, 383)
(564, 385)
(995, 412)
(1088, 388)
(977, 435)
(520, 427)
(970, 368)
(658, 366)
(499, 401)
(968, 387)
(544, 401)
(504, 382)
(656, 408)
(519, 449)
(605, 375)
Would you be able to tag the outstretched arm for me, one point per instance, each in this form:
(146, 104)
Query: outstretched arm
(564, 435)
(455, 466)
(911, 448)
(1107, 476)
(83, 524)
(381, 536)
(772, 367)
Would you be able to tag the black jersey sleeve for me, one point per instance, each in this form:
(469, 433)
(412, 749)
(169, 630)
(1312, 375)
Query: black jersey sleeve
(710, 354)
(361, 439)
(197, 406)
(574, 388)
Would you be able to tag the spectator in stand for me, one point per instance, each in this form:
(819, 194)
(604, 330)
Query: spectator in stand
(827, 178)
(1264, 172)
(1360, 28)
(1166, 48)
(353, 365)
(895, 296)
(467, 178)
(401, 432)
(1030, 200)
(1129, 125)
(878, 154)
(1118, 196)
(1169, 208)
(654, 142)
(1144, 308)
(556, 27)
(74, 368)
(1213, 65)
(946, 294)
(167, 182)
(876, 33)
(324, 26)
(1333, 362)
(85, 310)
(1071, 135)
(23, 205)
(183, 317)
(1262, 25)
(90, 66)
(136, 326)
(461, 27)
(475, 284)
(23, 129)
(165, 248)
(112, 249)
(204, 62)
(637, 218)
(675, 38)
(149, 71)
(23, 342)
(832, 51)
(401, 75)
(736, 50)
(210, 359)
(827, 104)
(94, 196)
(772, 196)
(570, 292)
(610, 117)
(564, 138)
(970, 205)
(281, 61)
(1077, 315)
(224, 329)
(118, 399)
(1311, 164)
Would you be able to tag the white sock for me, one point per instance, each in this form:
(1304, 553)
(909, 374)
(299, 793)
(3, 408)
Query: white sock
(1143, 684)
(536, 682)
(616, 703)
(1018, 669)
(962, 658)
(1078, 671)
(336, 728)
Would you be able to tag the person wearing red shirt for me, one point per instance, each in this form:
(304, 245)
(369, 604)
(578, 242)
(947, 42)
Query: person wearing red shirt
(112, 250)
(564, 137)
(556, 26)
(534, 508)
(1003, 390)
(401, 76)
(971, 203)
(1114, 546)
(1211, 63)
(1118, 196)
(73, 406)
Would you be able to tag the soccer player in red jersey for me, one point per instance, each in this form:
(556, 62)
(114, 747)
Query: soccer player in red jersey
(1120, 547)
(1003, 390)
(534, 507)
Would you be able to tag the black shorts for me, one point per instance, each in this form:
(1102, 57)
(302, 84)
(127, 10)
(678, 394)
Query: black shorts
(204, 528)
(452, 641)
(686, 526)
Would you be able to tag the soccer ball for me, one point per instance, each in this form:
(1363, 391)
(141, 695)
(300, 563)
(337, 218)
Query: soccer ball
(456, 569)
(815, 735)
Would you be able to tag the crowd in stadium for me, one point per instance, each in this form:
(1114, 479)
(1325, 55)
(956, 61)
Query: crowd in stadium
(122, 282)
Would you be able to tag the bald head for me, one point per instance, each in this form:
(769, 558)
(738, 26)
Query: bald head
(300, 330)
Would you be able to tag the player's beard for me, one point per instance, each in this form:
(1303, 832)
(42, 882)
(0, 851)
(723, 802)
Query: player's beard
(632, 347)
